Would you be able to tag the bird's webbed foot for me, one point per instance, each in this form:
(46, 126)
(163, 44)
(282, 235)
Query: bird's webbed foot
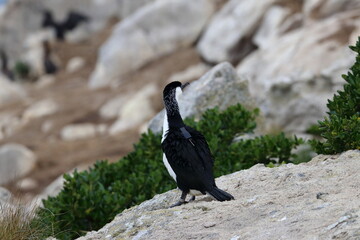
(181, 201)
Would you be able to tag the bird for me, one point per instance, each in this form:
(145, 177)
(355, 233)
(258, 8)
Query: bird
(71, 22)
(4, 65)
(186, 153)
(48, 63)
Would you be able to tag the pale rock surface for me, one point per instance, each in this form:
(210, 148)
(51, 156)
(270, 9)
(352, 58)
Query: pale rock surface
(318, 9)
(271, 26)
(236, 22)
(156, 29)
(292, 79)
(112, 108)
(128, 7)
(40, 109)
(10, 91)
(136, 110)
(27, 184)
(5, 195)
(81, 131)
(219, 87)
(45, 81)
(15, 161)
(9, 123)
(75, 64)
(315, 200)
(190, 73)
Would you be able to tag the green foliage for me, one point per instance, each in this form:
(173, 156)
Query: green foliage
(92, 198)
(22, 69)
(341, 128)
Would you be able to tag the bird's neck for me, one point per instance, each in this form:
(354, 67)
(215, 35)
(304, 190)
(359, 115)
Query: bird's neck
(172, 118)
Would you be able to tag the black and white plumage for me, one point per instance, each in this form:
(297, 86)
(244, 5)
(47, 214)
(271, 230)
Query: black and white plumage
(4, 65)
(187, 156)
(72, 20)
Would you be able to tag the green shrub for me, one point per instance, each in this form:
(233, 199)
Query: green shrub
(341, 128)
(90, 199)
(22, 69)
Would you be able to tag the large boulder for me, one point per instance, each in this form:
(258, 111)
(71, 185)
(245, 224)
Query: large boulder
(306, 201)
(157, 29)
(233, 26)
(293, 78)
(220, 87)
(15, 162)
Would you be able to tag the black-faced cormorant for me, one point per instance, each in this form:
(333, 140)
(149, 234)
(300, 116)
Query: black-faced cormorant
(187, 156)
(4, 65)
(49, 65)
(71, 22)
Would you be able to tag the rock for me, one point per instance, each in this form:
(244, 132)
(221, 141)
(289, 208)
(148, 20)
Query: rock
(5, 195)
(271, 26)
(230, 28)
(45, 81)
(81, 131)
(40, 109)
(219, 87)
(136, 110)
(112, 108)
(53, 188)
(315, 9)
(292, 79)
(128, 7)
(189, 74)
(75, 64)
(27, 184)
(46, 126)
(10, 91)
(156, 29)
(9, 124)
(284, 199)
(15, 162)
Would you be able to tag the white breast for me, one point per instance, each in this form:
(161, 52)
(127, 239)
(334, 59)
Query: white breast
(168, 167)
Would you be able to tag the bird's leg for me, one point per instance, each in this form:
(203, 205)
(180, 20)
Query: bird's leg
(181, 201)
(192, 198)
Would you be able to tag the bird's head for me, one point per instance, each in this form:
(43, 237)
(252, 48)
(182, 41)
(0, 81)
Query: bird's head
(171, 94)
(174, 88)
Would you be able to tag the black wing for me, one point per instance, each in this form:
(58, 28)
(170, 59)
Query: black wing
(190, 159)
(48, 20)
(74, 19)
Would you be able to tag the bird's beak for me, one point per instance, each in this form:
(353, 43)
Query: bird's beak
(184, 86)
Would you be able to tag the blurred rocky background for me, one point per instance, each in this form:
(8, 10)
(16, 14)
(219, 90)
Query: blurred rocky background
(80, 79)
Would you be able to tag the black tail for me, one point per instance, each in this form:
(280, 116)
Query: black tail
(220, 195)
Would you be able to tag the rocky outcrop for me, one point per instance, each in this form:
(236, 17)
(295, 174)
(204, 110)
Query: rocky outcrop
(157, 29)
(220, 87)
(292, 80)
(232, 27)
(15, 161)
(313, 200)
